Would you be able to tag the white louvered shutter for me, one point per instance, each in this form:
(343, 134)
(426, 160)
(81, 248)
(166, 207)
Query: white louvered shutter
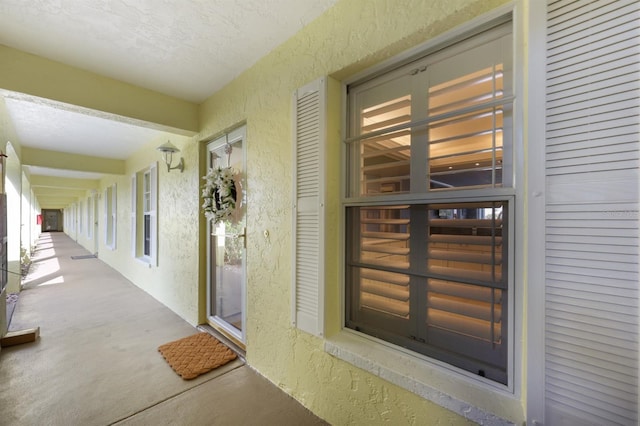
(592, 152)
(309, 116)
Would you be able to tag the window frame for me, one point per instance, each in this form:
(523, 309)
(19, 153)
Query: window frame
(110, 216)
(80, 216)
(394, 76)
(88, 216)
(437, 345)
(431, 379)
(411, 80)
(141, 209)
(146, 214)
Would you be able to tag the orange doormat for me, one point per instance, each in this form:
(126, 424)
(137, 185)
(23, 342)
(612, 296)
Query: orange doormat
(196, 355)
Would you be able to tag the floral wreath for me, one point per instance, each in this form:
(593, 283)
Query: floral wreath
(219, 194)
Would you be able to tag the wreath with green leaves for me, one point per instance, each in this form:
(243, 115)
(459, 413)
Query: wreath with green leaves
(219, 194)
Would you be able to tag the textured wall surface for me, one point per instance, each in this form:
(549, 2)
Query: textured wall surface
(351, 36)
(348, 38)
(13, 189)
(7, 133)
(174, 281)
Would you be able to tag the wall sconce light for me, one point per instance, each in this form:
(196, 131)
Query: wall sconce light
(167, 151)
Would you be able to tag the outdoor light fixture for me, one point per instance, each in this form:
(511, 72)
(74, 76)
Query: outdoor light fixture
(167, 151)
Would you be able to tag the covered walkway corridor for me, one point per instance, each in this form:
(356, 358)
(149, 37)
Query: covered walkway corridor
(96, 361)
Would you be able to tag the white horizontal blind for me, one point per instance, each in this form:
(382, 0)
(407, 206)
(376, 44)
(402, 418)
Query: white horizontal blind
(461, 250)
(466, 147)
(384, 242)
(468, 111)
(592, 168)
(446, 291)
(309, 116)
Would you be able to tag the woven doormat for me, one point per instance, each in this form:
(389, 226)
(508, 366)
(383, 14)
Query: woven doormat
(196, 355)
(84, 256)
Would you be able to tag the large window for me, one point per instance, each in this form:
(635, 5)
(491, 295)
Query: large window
(144, 186)
(429, 204)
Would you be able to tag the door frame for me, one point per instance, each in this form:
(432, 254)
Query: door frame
(231, 137)
(94, 219)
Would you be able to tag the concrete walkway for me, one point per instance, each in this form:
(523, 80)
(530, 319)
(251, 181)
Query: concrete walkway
(96, 361)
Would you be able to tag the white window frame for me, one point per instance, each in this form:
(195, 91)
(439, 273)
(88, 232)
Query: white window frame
(80, 216)
(88, 216)
(72, 213)
(536, 219)
(467, 394)
(110, 216)
(138, 212)
(147, 212)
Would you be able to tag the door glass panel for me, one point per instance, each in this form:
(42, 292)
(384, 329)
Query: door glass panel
(229, 274)
(226, 287)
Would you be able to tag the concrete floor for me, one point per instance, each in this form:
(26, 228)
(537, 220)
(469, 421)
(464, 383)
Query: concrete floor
(96, 361)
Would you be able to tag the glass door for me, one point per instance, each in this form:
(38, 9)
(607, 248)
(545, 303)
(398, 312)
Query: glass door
(226, 244)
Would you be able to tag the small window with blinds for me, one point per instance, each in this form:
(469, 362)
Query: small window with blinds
(144, 228)
(110, 216)
(429, 192)
(147, 211)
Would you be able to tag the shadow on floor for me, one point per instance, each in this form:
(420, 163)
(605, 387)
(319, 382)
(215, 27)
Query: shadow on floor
(96, 361)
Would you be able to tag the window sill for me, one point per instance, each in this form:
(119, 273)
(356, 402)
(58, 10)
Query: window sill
(453, 391)
(144, 260)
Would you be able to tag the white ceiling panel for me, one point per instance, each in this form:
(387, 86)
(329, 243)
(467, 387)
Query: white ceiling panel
(188, 49)
(184, 48)
(42, 126)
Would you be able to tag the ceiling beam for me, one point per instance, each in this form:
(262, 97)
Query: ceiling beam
(38, 181)
(58, 192)
(45, 201)
(76, 162)
(53, 206)
(33, 75)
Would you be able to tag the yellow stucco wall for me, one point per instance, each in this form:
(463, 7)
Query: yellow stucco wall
(350, 37)
(9, 145)
(13, 189)
(175, 280)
